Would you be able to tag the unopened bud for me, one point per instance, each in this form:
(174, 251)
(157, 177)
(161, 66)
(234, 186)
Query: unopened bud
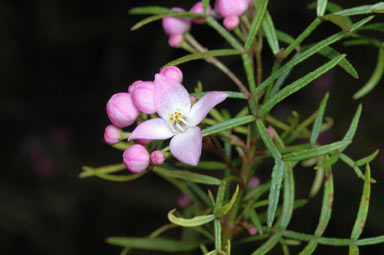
(136, 158)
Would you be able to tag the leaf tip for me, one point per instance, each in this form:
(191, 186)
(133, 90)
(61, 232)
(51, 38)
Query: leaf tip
(107, 240)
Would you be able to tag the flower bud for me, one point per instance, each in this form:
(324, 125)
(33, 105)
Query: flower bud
(142, 96)
(121, 111)
(157, 157)
(112, 134)
(199, 8)
(175, 40)
(176, 26)
(231, 22)
(172, 72)
(184, 200)
(136, 158)
(231, 10)
(133, 85)
(253, 182)
(143, 141)
(252, 231)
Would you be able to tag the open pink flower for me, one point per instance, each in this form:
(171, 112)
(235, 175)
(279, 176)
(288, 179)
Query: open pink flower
(178, 119)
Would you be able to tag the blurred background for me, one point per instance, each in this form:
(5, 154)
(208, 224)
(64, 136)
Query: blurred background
(61, 61)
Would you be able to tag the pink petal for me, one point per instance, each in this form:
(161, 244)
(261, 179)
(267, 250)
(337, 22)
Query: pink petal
(186, 146)
(204, 105)
(170, 97)
(153, 129)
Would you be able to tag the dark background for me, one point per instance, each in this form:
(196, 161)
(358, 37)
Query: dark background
(61, 60)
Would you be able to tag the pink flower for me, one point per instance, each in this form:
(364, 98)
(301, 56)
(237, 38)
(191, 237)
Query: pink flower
(252, 231)
(133, 85)
(112, 134)
(178, 119)
(121, 111)
(172, 72)
(199, 8)
(253, 182)
(175, 28)
(184, 200)
(231, 10)
(136, 158)
(157, 157)
(142, 96)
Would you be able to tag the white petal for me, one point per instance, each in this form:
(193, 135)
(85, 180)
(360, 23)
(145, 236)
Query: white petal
(186, 146)
(153, 129)
(204, 105)
(170, 97)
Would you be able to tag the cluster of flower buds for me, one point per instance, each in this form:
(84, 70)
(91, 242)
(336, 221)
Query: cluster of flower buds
(230, 10)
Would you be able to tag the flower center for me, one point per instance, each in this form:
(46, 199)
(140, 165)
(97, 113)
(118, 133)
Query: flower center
(178, 122)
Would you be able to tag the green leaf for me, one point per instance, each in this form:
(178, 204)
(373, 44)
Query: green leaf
(308, 53)
(193, 222)
(261, 7)
(255, 220)
(223, 210)
(352, 164)
(309, 248)
(231, 94)
(187, 176)
(289, 196)
(367, 159)
(267, 140)
(150, 10)
(364, 9)
(374, 26)
(297, 85)
(268, 245)
(327, 204)
(158, 244)
(352, 127)
(314, 152)
(205, 6)
(116, 178)
(160, 16)
(203, 55)
(319, 119)
(224, 33)
(217, 229)
(321, 7)
(375, 77)
(284, 37)
(370, 241)
(227, 125)
(103, 169)
(353, 249)
(338, 20)
(256, 193)
(207, 165)
(345, 64)
(270, 33)
(364, 206)
(274, 192)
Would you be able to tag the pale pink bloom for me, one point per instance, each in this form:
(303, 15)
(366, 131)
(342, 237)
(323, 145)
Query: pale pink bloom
(252, 231)
(136, 158)
(253, 182)
(142, 96)
(199, 8)
(157, 157)
(270, 132)
(184, 200)
(178, 119)
(121, 110)
(172, 72)
(231, 10)
(112, 134)
(175, 28)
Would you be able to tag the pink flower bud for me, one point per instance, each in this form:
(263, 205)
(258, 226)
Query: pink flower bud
(157, 157)
(172, 72)
(232, 7)
(252, 231)
(253, 182)
(121, 111)
(193, 99)
(184, 200)
(231, 22)
(143, 141)
(199, 8)
(142, 96)
(176, 26)
(175, 40)
(270, 132)
(112, 134)
(136, 158)
(133, 85)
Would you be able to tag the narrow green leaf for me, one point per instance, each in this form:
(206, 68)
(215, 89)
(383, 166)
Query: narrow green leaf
(314, 152)
(217, 229)
(352, 127)
(187, 176)
(352, 164)
(364, 9)
(317, 183)
(223, 210)
(160, 16)
(103, 169)
(319, 119)
(214, 252)
(205, 6)
(150, 10)
(255, 220)
(158, 244)
(370, 241)
(161, 230)
(207, 165)
(330, 161)
(289, 196)
(374, 26)
(270, 33)
(309, 248)
(321, 240)
(268, 245)
(261, 7)
(327, 204)
(274, 192)
(338, 20)
(199, 193)
(297, 85)
(353, 249)
(345, 64)
(224, 33)
(284, 37)
(321, 7)
(220, 195)
(203, 55)
(308, 53)
(116, 178)
(364, 206)
(375, 77)
(193, 222)
(279, 82)
(268, 140)
(256, 193)
(367, 159)
(227, 125)
(231, 94)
